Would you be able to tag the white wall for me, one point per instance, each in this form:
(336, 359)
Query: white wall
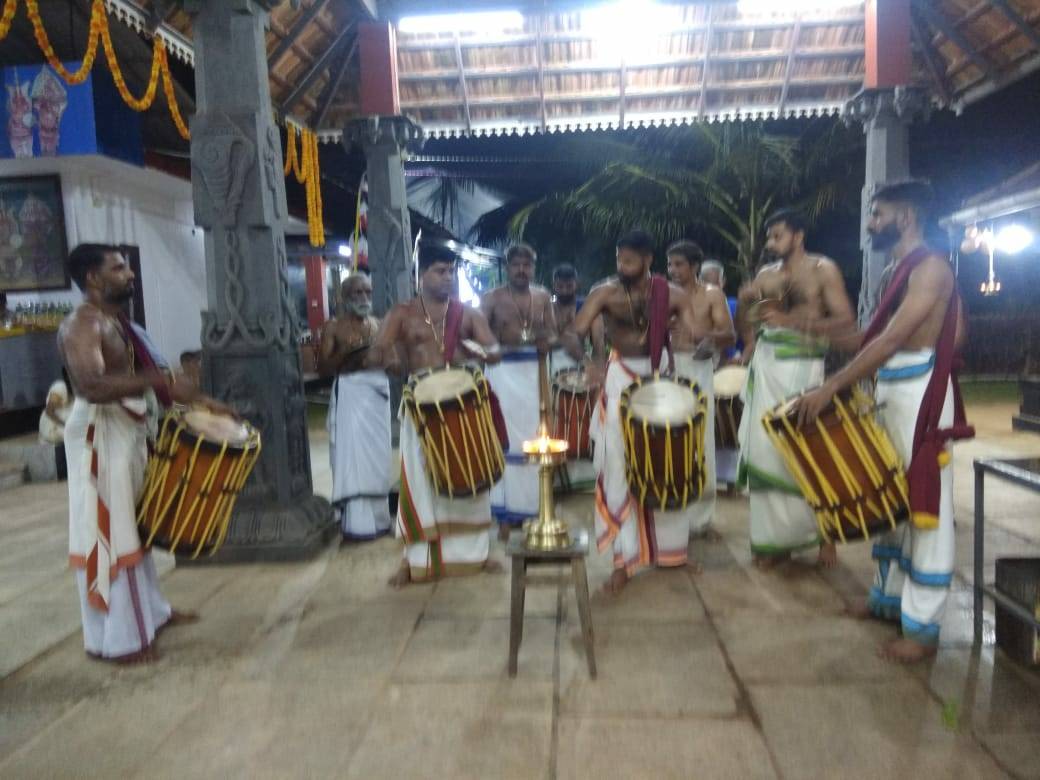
(111, 202)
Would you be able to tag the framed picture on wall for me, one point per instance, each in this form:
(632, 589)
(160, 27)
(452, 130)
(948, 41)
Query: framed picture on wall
(32, 234)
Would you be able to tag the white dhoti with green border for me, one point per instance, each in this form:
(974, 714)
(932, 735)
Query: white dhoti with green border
(914, 566)
(784, 365)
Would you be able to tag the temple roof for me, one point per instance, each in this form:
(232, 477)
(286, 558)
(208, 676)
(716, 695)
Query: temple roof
(562, 67)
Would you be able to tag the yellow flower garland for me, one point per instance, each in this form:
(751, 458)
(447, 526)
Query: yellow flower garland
(306, 170)
(10, 9)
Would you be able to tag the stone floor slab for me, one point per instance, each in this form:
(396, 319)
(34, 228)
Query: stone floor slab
(704, 748)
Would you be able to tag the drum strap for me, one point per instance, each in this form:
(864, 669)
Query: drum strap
(452, 328)
(659, 335)
(143, 358)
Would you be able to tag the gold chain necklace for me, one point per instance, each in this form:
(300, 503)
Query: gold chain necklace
(525, 324)
(426, 314)
(641, 321)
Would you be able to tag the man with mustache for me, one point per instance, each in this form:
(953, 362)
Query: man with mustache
(521, 317)
(359, 416)
(909, 346)
(637, 308)
(113, 374)
(787, 344)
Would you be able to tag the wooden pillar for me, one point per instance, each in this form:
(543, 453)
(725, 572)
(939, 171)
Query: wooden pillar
(377, 56)
(317, 293)
(887, 44)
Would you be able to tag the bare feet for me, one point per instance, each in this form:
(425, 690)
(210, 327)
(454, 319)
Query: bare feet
(503, 532)
(617, 582)
(828, 557)
(493, 567)
(178, 618)
(694, 567)
(906, 651)
(860, 610)
(770, 562)
(402, 576)
(149, 655)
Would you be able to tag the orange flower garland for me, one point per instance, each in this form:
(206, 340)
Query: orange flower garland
(171, 98)
(97, 21)
(307, 170)
(148, 97)
(10, 8)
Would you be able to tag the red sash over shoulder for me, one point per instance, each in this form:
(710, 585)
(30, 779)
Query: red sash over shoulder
(658, 335)
(928, 454)
(143, 360)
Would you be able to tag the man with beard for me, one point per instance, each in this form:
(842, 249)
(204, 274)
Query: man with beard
(359, 416)
(636, 308)
(106, 432)
(909, 346)
(443, 536)
(521, 317)
(566, 305)
(790, 309)
(696, 359)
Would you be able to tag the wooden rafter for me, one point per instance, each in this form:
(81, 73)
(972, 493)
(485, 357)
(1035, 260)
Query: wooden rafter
(1016, 19)
(621, 93)
(931, 60)
(992, 44)
(540, 59)
(301, 24)
(796, 32)
(462, 84)
(329, 93)
(317, 68)
(705, 61)
(939, 21)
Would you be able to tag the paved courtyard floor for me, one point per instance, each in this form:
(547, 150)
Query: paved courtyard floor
(318, 669)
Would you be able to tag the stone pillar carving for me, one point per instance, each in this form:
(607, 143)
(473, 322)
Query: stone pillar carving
(385, 139)
(249, 332)
(886, 115)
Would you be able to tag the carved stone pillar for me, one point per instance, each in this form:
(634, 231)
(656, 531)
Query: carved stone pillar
(385, 139)
(249, 332)
(886, 115)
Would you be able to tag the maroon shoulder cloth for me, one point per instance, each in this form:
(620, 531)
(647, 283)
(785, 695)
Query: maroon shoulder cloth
(929, 438)
(659, 336)
(452, 328)
(143, 360)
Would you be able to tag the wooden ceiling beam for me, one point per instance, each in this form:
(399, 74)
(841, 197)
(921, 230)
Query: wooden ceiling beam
(994, 43)
(931, 60)
(1018, 21)
(633, 92)
(332, 88)
(709, 33)
(462, 83)
(938, 20)
(501, 71)
(289, 40)
(539, 56)
(317, 68)
(796, 32)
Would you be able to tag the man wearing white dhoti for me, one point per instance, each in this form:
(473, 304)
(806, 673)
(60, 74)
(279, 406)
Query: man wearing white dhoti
(787, 313)
(911, 344)
(696, 356)
(520, 315)
(442, 536)
(636, 308)
(112, 372)
(581, 474)
(359, 416)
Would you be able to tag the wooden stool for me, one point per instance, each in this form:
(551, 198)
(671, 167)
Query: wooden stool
(521, 559)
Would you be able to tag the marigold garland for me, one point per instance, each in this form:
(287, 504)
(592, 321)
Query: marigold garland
(10, 9)
(97, 20)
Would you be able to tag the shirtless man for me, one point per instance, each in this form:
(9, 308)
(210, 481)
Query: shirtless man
(695, 359)
(786, 344)
(442, 536)
(910, 346)
(521, 317)
(566, 305)
(635, 306)
(122, 608)
(359, 416)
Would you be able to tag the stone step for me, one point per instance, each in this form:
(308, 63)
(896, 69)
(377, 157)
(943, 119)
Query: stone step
(11, 474)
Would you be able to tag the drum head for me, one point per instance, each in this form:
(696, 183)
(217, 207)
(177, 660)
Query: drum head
(729, 380)
(217, 427)
(442, 385)
(663, 401)
(571, 380)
